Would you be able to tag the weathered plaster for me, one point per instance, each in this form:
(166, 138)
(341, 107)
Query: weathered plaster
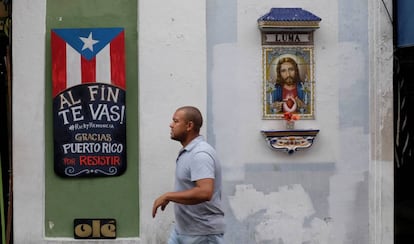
(283, 213)
(343, 108)
(339, 191)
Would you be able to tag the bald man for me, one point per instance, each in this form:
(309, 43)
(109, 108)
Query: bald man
(197, 195)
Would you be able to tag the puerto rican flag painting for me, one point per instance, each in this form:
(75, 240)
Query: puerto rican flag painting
(87, 55)
(89, 112)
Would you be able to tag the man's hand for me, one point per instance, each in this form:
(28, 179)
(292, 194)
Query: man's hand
(203, 191)
(159, 202)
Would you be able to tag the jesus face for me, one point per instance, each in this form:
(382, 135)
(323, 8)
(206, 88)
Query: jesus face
(287, 72)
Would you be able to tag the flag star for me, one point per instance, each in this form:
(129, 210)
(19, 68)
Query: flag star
(88, 42)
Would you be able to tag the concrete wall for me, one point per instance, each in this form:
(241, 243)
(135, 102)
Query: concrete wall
(323, 195)
(208, 53)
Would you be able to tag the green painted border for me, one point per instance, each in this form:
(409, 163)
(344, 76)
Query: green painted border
(106, 197)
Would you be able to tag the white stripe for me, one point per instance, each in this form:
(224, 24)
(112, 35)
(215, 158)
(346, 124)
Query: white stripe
(73, 67)
(103, 65)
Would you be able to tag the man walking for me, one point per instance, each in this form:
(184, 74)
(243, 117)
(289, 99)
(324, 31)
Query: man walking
(197, 195)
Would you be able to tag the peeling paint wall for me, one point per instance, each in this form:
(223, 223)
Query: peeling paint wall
(285, 214)
(208, 53)
(316, 196)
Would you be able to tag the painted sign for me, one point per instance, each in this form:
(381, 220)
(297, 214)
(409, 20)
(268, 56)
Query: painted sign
(290, 38)
(94, 228)
(89, 85)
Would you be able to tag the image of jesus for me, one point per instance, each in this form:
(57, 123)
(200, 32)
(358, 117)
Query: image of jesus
(288, 94)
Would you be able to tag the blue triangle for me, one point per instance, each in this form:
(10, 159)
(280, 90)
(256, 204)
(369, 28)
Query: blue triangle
(103, 36)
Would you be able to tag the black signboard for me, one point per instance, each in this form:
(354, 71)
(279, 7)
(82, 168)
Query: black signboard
(90, 131)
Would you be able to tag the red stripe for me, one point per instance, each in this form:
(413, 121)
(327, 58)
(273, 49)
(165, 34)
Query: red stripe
(58, 64)
(117, 53)
(88, 69)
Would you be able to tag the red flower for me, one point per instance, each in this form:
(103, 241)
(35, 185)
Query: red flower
(289, 116)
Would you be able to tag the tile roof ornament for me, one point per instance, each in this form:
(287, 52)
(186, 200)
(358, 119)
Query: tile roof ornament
(294, 19)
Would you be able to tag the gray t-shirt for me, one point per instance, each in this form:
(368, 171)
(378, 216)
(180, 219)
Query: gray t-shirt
(197, 161)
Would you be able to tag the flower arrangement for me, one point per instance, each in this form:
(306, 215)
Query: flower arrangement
(290, 119)
(289, 116)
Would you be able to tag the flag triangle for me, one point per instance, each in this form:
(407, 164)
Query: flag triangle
(88, 41)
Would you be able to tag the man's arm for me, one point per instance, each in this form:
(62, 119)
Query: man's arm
(202, 192)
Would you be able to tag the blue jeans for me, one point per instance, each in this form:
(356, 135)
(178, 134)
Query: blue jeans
(176, 238)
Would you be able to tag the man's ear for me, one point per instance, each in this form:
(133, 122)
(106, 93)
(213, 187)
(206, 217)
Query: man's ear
(190, 125)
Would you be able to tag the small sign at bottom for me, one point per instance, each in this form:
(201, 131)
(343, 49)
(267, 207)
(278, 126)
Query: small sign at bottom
(94, 228)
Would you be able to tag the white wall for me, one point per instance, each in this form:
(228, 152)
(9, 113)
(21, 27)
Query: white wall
(339, 190)
(28, 61)
(335, 192)
(172, 73)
